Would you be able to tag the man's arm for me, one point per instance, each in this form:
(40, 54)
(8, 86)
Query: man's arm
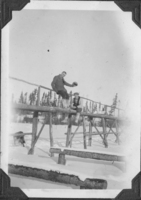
(67, 84)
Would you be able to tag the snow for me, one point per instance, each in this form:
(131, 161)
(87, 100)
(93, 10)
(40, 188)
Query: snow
(84, 168)
(35, 183)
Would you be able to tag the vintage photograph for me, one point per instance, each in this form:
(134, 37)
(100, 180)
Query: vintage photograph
(73, 98)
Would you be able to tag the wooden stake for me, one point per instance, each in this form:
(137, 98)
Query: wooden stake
(61, 159)
(84, 133)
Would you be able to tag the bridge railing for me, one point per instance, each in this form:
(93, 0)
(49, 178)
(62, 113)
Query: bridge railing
(43, 96)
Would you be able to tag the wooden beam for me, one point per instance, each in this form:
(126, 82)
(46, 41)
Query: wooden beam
(55, 175)
(93, 133)
(56, 109)
(89, 154)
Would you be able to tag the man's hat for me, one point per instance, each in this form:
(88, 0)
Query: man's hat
(76, 93)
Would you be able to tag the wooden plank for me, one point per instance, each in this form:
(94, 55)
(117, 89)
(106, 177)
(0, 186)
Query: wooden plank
(91, 155)
(93, 133)
(55, 175)
(56, 109)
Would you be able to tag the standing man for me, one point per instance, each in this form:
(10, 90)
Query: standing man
(58, 86)
(77, 105)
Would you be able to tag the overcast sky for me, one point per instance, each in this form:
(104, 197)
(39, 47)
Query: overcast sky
(95, 48)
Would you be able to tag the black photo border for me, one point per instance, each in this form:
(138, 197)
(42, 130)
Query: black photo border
(14, 193)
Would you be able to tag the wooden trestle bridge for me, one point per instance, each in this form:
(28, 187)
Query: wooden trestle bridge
(112, 121)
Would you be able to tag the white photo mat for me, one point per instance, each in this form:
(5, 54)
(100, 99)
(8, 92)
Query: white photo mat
(131, 33)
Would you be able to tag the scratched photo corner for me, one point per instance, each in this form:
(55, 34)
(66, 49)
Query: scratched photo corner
(73, 98)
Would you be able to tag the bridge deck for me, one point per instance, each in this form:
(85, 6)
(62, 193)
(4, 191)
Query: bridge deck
(57, 109)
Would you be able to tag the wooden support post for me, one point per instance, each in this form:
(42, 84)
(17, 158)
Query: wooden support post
(90, 134)
(61, 159)
(97, 130)
(68, 132)
(51, 132)
(118, 113)
(37, 137)
(105, 110)
(84, 133)
(38, 96)
(34, 131)
(72, 136)
(117, 132)
(104, 133)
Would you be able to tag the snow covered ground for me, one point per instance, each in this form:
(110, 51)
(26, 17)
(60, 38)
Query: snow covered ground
(35, 183)
(114, 173)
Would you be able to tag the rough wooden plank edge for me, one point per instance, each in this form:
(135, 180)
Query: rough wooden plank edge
(56, 176)
(91, 155)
